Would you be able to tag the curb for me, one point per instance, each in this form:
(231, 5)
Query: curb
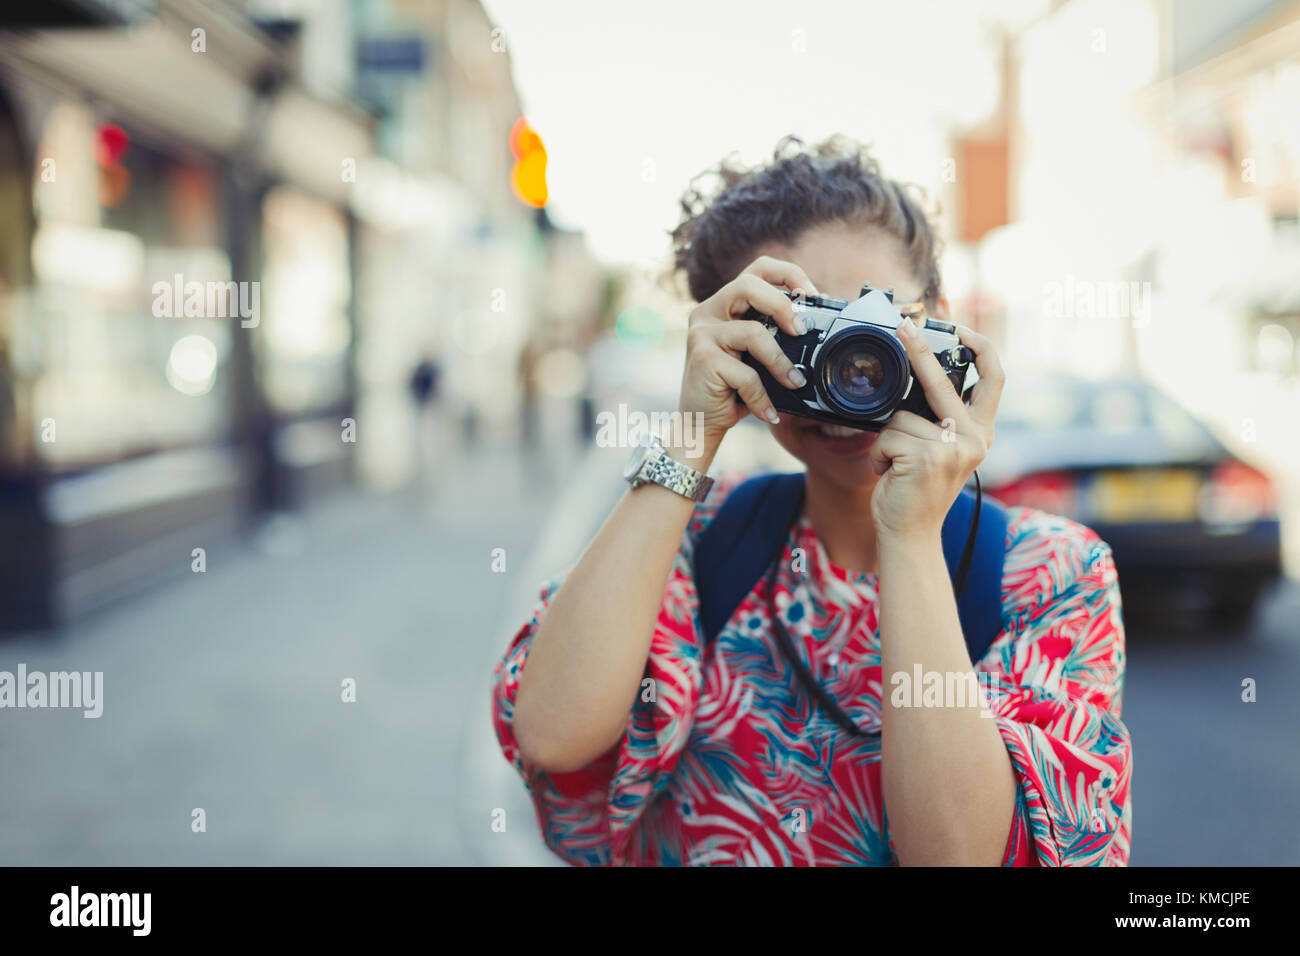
(487, 782)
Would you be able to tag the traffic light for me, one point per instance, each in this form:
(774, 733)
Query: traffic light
(111, 142)
(528, 178)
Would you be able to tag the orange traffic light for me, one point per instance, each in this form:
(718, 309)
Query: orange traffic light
(528, 178)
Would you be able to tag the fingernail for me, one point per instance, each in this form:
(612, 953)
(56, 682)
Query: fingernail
(906, 327)
(773, 417)
(796, 378)
(800, 325)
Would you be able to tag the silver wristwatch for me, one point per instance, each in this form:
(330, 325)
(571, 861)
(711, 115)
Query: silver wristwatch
(650, 462)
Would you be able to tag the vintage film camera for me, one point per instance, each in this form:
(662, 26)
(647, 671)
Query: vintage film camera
(857, 369)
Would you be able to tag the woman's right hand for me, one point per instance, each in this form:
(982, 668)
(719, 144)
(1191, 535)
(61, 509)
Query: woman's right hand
(715, 374)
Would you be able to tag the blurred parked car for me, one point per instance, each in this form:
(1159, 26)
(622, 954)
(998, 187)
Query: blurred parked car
(1181, 513)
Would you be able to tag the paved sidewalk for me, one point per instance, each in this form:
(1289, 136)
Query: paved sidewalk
(224, 693)
(490, 783)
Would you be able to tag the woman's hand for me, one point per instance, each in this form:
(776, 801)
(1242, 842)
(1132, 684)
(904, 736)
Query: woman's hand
(715, 374)
(923, 465)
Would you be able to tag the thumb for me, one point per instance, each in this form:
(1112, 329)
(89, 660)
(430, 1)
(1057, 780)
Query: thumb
(879, 459)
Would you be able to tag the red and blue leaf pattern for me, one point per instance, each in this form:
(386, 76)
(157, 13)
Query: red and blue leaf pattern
(730, 764)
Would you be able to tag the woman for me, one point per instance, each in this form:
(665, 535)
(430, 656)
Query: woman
(641, 745)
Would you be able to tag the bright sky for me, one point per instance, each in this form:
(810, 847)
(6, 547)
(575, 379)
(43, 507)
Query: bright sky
(632, 100)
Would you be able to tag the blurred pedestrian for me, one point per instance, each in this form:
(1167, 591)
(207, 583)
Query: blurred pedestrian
(430, 433)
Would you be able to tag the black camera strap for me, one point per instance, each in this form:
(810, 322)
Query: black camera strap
(968, 549)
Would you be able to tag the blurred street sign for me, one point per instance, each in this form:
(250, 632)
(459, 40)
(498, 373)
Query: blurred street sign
(394, 55)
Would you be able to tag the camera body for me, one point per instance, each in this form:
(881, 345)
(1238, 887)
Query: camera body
(857, 369)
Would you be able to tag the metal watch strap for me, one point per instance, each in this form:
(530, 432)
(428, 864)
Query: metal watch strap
(662, 469)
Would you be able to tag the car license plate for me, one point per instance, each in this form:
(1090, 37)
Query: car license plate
(1145, 495)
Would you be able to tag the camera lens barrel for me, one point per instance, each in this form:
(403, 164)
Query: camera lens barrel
(861, 373)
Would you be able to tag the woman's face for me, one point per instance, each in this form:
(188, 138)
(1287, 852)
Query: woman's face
(839, 258)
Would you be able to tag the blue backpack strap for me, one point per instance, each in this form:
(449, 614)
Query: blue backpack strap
(980, 604)
(752, 524)
(740, 543)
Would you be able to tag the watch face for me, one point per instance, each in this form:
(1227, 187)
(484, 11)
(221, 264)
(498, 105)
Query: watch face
(635, 462)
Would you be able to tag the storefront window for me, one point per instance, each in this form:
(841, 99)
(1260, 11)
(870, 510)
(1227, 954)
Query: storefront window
(304, 337)
(113, 368)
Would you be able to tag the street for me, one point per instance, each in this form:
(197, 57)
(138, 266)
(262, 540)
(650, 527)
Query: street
(224, 694)
(1215, 778)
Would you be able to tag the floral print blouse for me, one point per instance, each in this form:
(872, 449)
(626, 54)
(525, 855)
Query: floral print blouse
(726, 760)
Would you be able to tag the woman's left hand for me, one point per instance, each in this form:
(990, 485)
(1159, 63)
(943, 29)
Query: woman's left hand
(923, 465)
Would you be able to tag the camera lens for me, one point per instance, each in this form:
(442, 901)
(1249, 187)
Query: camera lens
(861, 372)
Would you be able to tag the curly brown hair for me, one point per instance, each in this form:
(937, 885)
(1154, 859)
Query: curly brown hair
(728, 211)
